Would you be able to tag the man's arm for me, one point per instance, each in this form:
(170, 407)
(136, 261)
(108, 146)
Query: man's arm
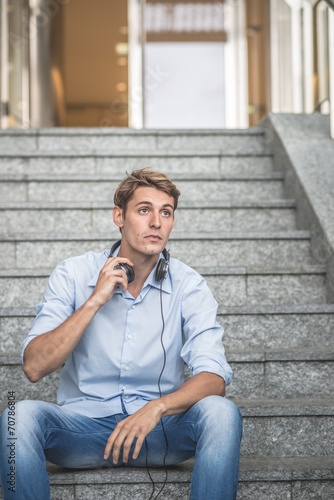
(47, 352)
(141, 423)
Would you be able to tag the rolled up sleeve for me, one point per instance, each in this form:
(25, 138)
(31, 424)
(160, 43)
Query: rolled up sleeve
(57, 305)
(203, 350)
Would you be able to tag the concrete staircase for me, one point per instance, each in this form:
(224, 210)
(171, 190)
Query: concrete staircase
(235, 226)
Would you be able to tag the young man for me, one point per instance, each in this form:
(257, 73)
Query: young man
(122, 397)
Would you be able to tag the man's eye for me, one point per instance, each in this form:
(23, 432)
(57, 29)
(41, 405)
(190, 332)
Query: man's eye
(143, 211)
(166, 213)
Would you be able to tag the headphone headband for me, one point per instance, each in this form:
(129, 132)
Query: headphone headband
(114, 247)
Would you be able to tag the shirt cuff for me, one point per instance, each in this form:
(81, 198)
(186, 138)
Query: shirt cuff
(213, 367)
(25, 343)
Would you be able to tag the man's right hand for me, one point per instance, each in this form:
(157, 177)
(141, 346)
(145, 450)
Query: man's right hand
(109, 278)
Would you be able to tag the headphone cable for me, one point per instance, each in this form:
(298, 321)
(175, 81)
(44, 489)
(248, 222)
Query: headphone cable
(160, 395)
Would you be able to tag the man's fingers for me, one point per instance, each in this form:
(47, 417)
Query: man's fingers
(126, 441)
(115, 452)
(127, 447)
(138, 446)
(115, 442)
(123, 281)
(108, 280)
(113, 261)
(109, 445)
(119, 277)
(111, 442)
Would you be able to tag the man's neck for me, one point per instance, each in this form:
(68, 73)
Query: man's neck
(143, 265)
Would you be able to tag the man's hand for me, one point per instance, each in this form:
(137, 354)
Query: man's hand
(141, 423)
(109, 278)
(136, 426)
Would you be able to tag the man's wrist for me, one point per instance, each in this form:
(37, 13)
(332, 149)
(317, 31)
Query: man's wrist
(160, 407)
(92, 305)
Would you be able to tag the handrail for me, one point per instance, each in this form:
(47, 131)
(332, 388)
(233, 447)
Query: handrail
(318, 107)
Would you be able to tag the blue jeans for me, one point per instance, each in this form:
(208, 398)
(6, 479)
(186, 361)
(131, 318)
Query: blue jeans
(211, 430)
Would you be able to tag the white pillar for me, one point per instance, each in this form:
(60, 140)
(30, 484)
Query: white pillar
(296, 53)
(331, 68)
(322, 54)
(43, 111)
(274, 58)
(4, 62)
(135, 64)
(308, 57)
(235, 53)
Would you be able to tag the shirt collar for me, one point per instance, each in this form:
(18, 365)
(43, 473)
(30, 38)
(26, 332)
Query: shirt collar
(94, 278)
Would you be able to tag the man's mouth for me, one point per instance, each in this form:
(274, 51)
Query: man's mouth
(153, 237)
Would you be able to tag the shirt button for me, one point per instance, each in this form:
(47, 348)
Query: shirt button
(129, 336)
(126, 368)
(133, 306)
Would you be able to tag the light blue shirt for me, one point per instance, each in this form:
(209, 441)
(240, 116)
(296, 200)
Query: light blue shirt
(120, 357)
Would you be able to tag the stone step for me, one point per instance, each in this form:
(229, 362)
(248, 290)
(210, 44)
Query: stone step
(260, 477)
(261, 250)
(266, 328)
(117, 163)
(281, 374)
(102, 188)
(105, 139)
(97, 217)
(265, 473)
(257, 374)
(265, 421)
(289, 478)
(230, 286)
(278, 327)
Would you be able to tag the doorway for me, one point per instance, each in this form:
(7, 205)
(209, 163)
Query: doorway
(91, 63)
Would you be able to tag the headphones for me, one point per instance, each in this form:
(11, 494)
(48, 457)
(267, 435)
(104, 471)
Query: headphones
(160, 272)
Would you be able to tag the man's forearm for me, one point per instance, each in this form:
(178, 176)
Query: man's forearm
(47, 352)
(140, 424)
(193, 390)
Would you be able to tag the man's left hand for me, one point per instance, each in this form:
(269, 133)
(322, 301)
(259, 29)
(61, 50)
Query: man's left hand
(136, 426)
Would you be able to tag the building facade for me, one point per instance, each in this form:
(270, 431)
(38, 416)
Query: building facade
(162, 64)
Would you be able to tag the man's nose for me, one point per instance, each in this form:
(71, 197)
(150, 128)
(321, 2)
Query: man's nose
(155, 220)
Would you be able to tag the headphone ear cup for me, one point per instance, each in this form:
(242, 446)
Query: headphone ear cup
(161, 271)
(129, 271)
(130, 274)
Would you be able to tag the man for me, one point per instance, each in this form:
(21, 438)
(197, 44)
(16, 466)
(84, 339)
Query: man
(122, 397)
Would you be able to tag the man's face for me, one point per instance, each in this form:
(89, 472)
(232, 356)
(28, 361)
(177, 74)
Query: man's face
(148, 221)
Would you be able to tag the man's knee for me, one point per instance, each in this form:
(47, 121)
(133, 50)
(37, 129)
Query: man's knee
(25, 415)
(220, 413)
(217, 405)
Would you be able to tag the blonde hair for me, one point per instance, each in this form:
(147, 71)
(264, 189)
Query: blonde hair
(144, 177)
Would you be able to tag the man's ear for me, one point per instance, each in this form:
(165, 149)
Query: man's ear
(117, 215)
